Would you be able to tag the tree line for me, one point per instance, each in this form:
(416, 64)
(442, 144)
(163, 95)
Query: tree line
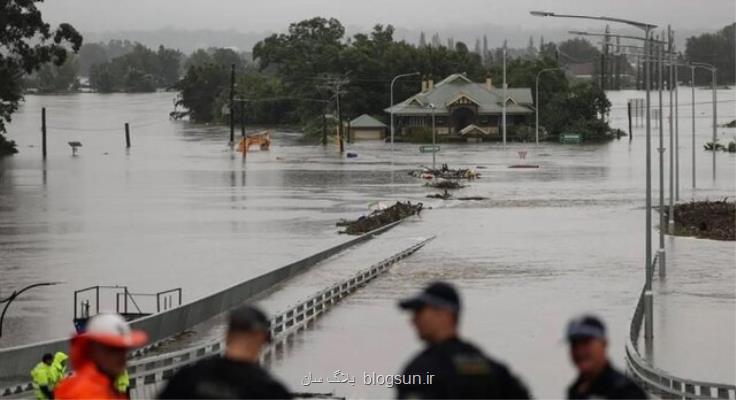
(297, 76)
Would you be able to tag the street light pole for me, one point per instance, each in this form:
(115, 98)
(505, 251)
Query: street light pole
(670, 213)
(537, 100)
(647, 28)
(713, 71)
(505, 86)
(392, 106)
(715, 122)
(692, 107)
(15, 295)
(661, 150)
(677, 130)
(434, 139)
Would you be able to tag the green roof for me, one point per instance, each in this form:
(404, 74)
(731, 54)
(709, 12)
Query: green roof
(366, 121)
(456, 86)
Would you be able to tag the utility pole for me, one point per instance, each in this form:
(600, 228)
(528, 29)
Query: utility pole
(232, 104)
(242, 118)
(505, 96)
(335, 83)
(43, 132)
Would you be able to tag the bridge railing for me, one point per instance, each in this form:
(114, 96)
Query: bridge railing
(147, 375)
(16, 362)
(659, 382)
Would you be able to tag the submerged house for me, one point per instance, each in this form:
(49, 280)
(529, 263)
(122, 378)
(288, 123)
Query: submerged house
(366, 127)
(462, 107)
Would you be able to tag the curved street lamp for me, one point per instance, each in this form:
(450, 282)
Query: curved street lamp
(14, 295)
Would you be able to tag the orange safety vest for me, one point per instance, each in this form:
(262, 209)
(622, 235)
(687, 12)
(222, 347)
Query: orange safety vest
(87, 383)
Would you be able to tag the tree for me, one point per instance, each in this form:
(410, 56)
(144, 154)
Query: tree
(169, 66)
(91, 54)
(579, 50)
(102, 79)
(531, 51)
(197, 59)
(718, 49)
(422, 40)
(199, 91)
(227, 57)
(27, 44)
(139, 70)
(54, 79)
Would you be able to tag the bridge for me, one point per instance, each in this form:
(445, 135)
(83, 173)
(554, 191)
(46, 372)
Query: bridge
(153, 364)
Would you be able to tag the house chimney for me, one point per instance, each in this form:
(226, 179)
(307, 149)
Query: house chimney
(489, 83)
(424, 85)
(430, 84)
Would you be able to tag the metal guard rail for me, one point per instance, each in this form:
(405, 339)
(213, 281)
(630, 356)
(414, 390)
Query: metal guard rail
(659, 382)
(154, 369)
(152, 363)
(158, 368)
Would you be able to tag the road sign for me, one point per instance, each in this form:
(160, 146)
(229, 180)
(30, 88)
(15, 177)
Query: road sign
(429, 149)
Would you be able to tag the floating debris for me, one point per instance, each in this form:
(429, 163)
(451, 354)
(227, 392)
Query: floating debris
(524, 166)
(445, 172)
(380, 218)
(706, 219)
(709, 146)
(473, 198)
(445, 184)
(444, 196)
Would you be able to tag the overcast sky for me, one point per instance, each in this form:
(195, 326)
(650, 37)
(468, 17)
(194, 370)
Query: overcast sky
(275, 15)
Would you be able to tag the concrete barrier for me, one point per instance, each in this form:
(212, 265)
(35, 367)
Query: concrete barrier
(16, 362)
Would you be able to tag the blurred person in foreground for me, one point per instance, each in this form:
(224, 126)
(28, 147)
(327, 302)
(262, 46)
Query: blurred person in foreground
(98, 356)
(236, 374)
(450, 367)
(597, 379)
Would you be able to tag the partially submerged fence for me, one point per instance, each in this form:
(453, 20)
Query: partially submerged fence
(659, 382)
(16, 362)
(148, 374)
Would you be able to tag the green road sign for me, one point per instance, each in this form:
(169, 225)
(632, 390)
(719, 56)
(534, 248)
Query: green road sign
(429, 149)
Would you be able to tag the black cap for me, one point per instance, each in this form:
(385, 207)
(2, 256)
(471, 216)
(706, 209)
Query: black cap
(248, 319)
(437, 294)
(585, 327)
(47, 357)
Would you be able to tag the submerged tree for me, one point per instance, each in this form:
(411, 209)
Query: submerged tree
(27, 43)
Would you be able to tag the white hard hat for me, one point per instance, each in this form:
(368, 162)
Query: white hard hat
(112, 330)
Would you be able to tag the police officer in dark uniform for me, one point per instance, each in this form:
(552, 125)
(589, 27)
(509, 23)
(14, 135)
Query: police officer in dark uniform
(235, 375)
(449, 367)
(597, 378)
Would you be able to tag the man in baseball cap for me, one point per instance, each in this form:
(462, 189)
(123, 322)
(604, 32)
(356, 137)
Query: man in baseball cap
(596, 376)
(236, 374)
(450, 367)
(98, 356)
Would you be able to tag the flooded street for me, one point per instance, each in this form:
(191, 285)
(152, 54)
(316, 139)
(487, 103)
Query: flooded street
(181, 210)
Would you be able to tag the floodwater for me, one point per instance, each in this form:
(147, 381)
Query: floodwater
(180, 210)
